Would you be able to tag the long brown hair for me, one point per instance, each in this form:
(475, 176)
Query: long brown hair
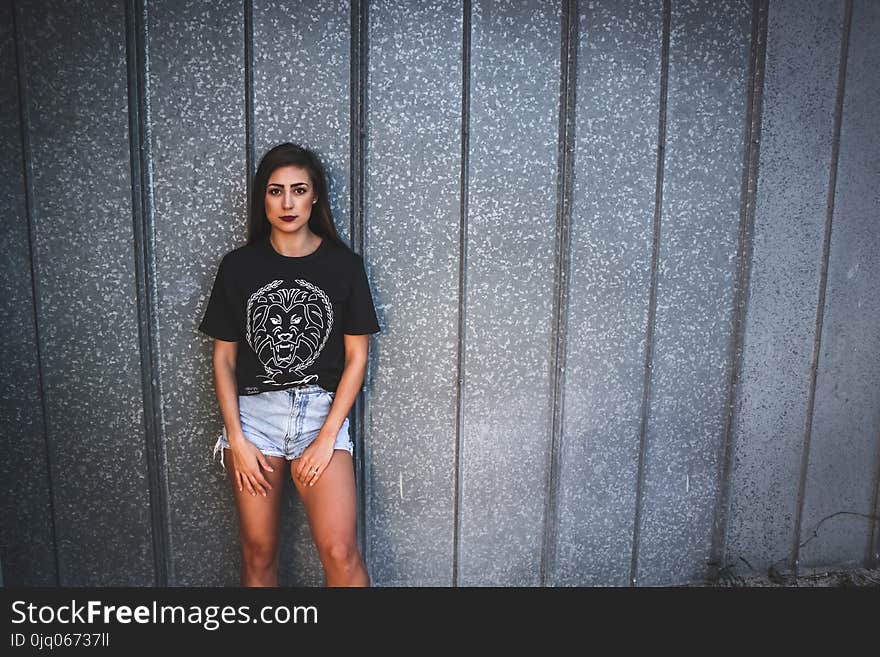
(321, 220)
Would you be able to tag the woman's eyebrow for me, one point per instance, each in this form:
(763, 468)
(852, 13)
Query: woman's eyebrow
(297, 184)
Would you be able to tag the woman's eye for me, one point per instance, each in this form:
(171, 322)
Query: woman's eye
(272, 192)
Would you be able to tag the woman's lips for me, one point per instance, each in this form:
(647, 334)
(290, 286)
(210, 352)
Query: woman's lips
(289, 217)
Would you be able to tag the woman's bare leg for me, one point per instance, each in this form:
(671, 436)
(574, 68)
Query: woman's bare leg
(331, 506)
(258, 525)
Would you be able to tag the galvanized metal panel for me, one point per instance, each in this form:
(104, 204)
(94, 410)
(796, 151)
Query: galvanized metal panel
(76, 82)
(708, 63)
(301, 94)
(845, 438)
(803, 50)
(77, 104)
(618, 65)
(510, 285)
(26, 535)
(301, 86)
(195, 97)
(412, 206)
(413, 194)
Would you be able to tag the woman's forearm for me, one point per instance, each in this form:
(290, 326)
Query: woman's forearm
(346, 392)
(227, 397)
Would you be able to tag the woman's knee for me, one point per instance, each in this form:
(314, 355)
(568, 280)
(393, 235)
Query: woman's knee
(340, 553)
(259, 554)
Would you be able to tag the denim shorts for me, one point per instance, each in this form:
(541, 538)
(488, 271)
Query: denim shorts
(284, 422)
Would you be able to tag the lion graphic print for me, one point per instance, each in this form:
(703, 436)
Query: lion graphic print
(287, 327)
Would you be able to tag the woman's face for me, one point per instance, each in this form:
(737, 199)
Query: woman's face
(289, 199)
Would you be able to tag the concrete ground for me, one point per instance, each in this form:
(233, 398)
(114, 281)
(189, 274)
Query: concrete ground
(860, 577)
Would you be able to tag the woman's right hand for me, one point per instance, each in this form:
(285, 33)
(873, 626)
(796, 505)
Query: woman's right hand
(246, 461)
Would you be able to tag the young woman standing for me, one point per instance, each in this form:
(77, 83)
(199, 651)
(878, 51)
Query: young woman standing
(291, 313)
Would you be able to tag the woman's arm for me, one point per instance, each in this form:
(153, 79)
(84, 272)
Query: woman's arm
(224, 383)
(356, 350)
(245, 455)
(318, 454)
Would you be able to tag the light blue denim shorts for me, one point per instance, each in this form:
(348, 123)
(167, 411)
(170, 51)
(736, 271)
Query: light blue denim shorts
(284, 422)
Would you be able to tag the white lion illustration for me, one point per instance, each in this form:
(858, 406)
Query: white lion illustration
(287, 327)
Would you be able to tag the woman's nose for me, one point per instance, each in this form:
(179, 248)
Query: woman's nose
(288, 200)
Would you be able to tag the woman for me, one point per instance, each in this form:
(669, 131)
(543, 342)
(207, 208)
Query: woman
(291, 313)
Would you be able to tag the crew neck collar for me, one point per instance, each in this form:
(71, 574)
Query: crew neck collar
(268, 244)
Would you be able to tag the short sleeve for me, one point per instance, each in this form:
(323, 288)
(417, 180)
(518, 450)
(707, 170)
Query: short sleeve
(220, 316)
(359, 316)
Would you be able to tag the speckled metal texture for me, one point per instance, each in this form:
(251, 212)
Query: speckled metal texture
(618, 89)
(301, 94)
(800, 83)
(197, 130)
(87, 316)
(708, 62)
(72, 418)
(301, 86)
(845, 437)
(413, 192)
(26, 535)
(510, 282)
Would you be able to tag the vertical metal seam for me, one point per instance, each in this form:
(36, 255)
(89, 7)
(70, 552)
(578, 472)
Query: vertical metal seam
(652, 298)
(742, 276)
(873, 556)
(250, 163)
(358, 58)
(823, 282)
(358, 64)
(462, 280)
(564, 175)
(24, 127)
(145, 282)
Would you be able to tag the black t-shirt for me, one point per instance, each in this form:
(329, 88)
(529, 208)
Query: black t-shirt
(289, 314)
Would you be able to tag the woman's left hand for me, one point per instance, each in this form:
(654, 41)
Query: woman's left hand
(309, 467)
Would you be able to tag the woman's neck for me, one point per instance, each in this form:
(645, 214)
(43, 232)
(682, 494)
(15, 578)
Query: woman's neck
(295, 245)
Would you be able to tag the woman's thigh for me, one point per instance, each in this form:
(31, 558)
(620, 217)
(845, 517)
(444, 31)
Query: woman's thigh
(258, 515)
(331, 504)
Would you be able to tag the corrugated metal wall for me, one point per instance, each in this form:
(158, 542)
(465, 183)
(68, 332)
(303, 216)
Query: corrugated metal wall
(624, 254)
